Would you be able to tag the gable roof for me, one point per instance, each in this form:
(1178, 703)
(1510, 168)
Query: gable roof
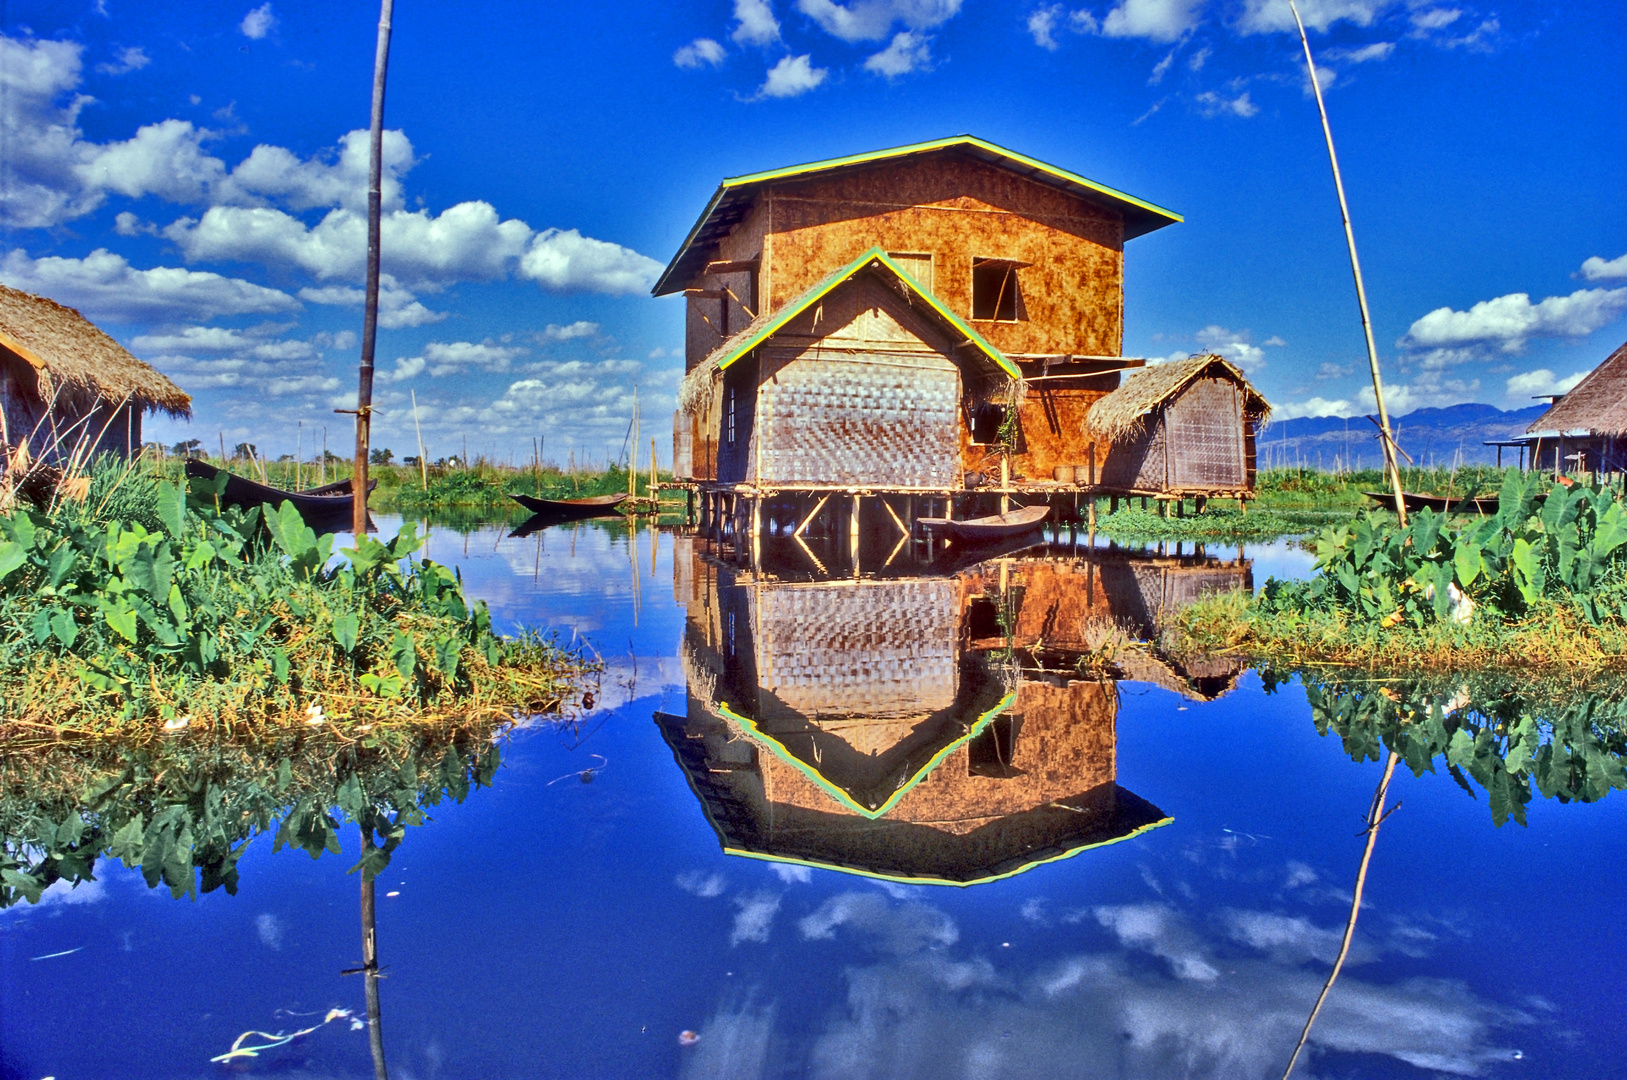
(769, 323)
(69, 349)
(735, 194)
(1120, 413)
(1597, 404)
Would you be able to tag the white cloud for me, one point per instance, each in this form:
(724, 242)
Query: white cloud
(755, 23)
(1044, 21)
(398, 308)
(1274, 16)
(1435, 18)
(1510, 321)
(1541, 383)
(706, 886)
(702, 52)
(1155, 20)
(1160, 69)
(901, 929)
(873, 20)
(792, 874)
(259, 22)
(1378, 50)
(105, 287)
(1196, 61)
(1233, 345)
(256, 344)
(1159, 930)
(755, 918)
(1430, 389)
(1597, 269)
(442, 358)
(274, 174)
(566, 261)
(1211, 104)
(793, 75)
(1288, 939)
(581, 328)
(908, 52)
(133, 58)
(269, 930)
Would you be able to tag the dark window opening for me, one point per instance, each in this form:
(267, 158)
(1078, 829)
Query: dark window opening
(991, 752)
(983, 618)
(731, 416)
(995, 293)
(987, 420)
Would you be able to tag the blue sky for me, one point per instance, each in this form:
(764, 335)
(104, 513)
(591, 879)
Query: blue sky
(192, 176)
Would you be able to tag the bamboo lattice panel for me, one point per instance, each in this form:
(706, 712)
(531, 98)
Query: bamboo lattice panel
(1205, 436)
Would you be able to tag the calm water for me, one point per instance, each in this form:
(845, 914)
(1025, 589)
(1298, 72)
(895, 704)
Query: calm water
(1147, 877)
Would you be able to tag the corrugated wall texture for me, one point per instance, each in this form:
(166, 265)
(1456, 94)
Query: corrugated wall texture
(1205, 434)
(959, 209)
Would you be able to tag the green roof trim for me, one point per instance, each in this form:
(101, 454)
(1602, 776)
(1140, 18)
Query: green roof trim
(783, 752)
(903, 880)
(944, 144)
(820, 291)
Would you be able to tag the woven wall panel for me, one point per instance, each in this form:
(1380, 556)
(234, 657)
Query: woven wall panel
(1205, 425)
(856, 419)
(873, 650)
(1138, 462)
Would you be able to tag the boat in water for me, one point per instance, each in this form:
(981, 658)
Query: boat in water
(327, 505)
(560, 509)
(993, 527)
(1456, 504)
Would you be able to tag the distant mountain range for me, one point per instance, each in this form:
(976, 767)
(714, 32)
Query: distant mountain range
(1439, 437)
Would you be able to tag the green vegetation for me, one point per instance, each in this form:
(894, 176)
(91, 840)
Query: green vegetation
(1541, 583)
(148, 606)
(1217, 523)
(1568, 740)
(1311, 489)
(184, 807)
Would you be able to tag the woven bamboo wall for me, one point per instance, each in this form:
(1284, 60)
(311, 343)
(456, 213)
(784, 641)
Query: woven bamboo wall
(1138, 462)
(1205, 437)
(705, 320)
(960, 209)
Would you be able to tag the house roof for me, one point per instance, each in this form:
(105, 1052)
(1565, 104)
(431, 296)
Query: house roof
(1598, 404)
(734, 197)
(695, 384)
(1119, 414)
(70, 350)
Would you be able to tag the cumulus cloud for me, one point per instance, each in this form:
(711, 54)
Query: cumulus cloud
(133, 58)
(564, 260)
(1378, 50)
(1287, 939)
(1430, 389)
(1044, 22)
(1597, 269)
(1435, 18)
(873, 20)
(1155, 20)
(903, 928)
(398, 307)
(1542, 383)
(702, 52)
(1158, 929)
(755, 23)
(704, 885)
(1274, 16)
(338, 177)
(908, 52)
(1211, 104)
(105, 287)
(442, 358)
(258, 23)
(792, 76)
(1233, 345)
(755, 919)
(581, 328)
(1508, 322)
(258, 343)
(792, 874)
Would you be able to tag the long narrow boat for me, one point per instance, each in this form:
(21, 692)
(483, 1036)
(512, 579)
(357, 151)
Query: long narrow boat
(327, 503)
(1480, 504)
(994, 527)
(591, 506)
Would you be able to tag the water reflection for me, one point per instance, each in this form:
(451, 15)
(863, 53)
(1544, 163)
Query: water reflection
(951, 721)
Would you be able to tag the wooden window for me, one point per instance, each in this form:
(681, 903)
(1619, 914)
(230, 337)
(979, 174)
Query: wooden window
(917, 265)
(995, 292)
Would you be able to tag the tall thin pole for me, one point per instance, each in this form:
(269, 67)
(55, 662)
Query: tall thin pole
(370, 963)
(1385, 437)
(370, 320)
(423, 466)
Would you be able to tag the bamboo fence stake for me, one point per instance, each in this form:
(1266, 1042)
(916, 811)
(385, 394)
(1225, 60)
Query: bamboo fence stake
(423, 467)
(1386, 439)
(370, 317)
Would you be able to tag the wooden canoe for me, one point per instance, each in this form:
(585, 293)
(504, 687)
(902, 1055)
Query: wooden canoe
(326, 503)
(995, 527)
(592, 506)
(1480, 504)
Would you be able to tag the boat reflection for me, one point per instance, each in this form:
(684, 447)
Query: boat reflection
(951, 723)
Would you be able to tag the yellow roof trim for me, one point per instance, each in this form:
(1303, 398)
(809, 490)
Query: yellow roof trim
(823, 289)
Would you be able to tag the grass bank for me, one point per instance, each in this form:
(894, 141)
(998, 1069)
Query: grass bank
(1540, 586)
(146, 607)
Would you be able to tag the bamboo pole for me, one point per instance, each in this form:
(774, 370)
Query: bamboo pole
(370, 963)
(423, 466)
(1386, 439)
(370, 317)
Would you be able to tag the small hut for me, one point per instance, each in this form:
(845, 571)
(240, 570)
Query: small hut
(1586, 430)
(1180, 429)
(66, 387)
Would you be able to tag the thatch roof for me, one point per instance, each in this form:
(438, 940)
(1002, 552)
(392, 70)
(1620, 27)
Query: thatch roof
(1119, 415)
(68, 350)
(1597, 404)
(695, 392)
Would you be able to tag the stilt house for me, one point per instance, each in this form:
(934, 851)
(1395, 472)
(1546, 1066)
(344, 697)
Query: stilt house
(65, 386)
(1177, 429)
(900, 322)
(1586, 430)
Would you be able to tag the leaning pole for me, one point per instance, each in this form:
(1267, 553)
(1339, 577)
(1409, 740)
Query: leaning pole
(370, 318)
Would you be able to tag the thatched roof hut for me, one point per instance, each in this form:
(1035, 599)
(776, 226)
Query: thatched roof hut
(1180, 428)
(62, 378)
(1598, 404)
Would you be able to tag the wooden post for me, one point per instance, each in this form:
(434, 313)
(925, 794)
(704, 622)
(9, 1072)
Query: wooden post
(370, 963)
(370, 315)
(1090, 514)
(1005, 483)
(655, 498)
(853, 533)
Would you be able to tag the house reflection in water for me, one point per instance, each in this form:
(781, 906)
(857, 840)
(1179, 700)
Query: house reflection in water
(927, 727)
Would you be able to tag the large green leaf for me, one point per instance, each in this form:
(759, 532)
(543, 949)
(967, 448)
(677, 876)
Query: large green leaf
(345, 628)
